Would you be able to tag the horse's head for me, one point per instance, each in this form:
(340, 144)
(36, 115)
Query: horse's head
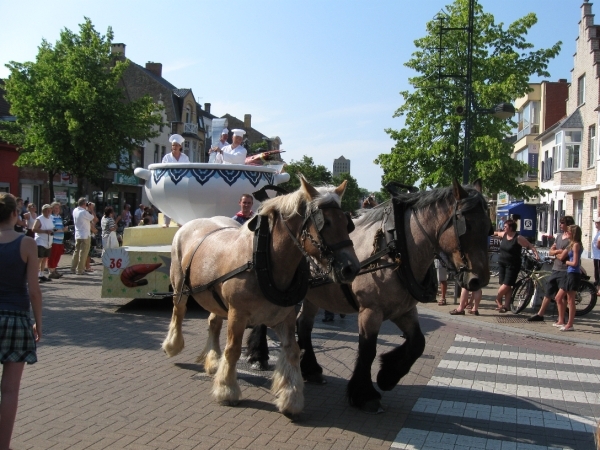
(325, 231)
(464, 237)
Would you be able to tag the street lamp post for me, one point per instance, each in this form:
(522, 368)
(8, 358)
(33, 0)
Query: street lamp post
(501, 111)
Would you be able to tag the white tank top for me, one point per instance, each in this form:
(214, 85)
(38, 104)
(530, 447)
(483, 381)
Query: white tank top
(44, 240)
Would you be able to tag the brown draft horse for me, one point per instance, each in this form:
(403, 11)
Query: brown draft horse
(206, 252)
(452, 223)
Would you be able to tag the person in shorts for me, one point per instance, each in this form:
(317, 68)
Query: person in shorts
(43, 228)
(557, 278)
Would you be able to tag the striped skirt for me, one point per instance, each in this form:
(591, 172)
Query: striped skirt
(17, 343)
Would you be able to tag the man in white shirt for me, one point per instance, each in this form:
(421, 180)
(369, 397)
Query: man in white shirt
(234, 153)
(82, 218)
(176, 155)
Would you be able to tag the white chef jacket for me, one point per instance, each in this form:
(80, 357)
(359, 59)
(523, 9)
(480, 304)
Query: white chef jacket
(234, 155)
(169, 158)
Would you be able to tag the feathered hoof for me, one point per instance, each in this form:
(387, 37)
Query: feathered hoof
(290, 402)
(173, 346)
(210, 362)
(316, 378)
(372, 407)
(227, 395)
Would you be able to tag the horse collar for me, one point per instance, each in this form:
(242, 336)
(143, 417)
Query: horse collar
(263, 269)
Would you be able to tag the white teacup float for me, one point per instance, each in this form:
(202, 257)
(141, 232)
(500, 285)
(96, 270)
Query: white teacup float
(190, 191)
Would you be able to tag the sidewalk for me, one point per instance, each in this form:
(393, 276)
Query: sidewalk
(587, 328)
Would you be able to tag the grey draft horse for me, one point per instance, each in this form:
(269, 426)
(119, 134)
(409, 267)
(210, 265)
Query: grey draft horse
(451, 223)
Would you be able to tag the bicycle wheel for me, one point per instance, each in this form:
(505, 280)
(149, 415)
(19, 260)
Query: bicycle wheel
(585, 298)
(521, 295)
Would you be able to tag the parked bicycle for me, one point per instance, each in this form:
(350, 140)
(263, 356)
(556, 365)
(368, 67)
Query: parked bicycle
(530, 285)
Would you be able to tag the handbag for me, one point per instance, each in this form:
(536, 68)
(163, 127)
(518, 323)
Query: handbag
(112, 241)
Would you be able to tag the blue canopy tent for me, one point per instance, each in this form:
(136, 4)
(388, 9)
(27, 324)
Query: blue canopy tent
(527, 217)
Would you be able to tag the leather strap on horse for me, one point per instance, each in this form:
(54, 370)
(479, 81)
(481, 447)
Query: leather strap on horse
(425, 291)
(204, 287)
(262, 267)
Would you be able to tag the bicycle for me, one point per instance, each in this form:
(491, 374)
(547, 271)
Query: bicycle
(531, 284)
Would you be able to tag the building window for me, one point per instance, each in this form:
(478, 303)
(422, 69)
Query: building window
(163, 152)
(581, 90)
(188, 114)
(579, 212)
(156, 153)
(592, 146)
(569, 149)
(528, 120)
(594, 206)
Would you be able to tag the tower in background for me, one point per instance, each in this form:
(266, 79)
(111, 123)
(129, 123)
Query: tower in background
(341, 165)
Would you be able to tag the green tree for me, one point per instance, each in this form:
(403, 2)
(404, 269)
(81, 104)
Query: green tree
(352, 199)
(429, 147)
(71, 110)
(315, 174)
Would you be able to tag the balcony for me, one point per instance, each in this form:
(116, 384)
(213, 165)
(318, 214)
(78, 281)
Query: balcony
(529, 129)
(190, 128)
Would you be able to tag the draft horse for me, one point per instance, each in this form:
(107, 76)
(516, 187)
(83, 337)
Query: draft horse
(397, 242)
(256, 274)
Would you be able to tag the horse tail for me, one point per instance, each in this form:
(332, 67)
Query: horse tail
(174, 342)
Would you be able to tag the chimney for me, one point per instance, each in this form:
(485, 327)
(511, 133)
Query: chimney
(117, 50)
(207, 107)
(247, 121)
(562, 80)
(155, 68)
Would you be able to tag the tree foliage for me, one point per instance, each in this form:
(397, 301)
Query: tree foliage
(72, 114)
(429, 148)
(315, 174)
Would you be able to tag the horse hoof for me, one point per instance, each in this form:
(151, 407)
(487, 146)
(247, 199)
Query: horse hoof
(260, 365)
(294, 417)
(372, 407)
(229, 402)
(315, 379)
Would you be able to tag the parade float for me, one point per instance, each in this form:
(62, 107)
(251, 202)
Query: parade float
(183, 192)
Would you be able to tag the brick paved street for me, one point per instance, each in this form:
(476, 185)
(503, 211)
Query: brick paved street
(102, 382)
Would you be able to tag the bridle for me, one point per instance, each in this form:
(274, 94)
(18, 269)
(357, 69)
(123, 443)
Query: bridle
(326, 250)
(457, 221)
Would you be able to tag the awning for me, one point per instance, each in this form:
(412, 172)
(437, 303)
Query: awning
(519, 208)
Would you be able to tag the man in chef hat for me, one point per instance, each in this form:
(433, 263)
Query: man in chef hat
(236, 152)
(176, 155)
(215, 154)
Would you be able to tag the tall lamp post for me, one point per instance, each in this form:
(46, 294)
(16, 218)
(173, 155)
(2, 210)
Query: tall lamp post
(502, 110)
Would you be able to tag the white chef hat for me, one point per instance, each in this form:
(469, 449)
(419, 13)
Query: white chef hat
(177, 138)
(225, 131)
(238, 132)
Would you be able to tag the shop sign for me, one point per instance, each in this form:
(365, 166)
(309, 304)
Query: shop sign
(125, 179)
(502, 198)
(60, 196)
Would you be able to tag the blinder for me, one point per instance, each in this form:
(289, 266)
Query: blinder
(350, 226)
(460, 224)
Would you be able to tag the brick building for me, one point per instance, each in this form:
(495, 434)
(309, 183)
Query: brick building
(569, 148)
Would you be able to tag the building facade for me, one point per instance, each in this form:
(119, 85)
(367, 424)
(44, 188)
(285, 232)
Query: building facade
(569, 148)
(341, 165)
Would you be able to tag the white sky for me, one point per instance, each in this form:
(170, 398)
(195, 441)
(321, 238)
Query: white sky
(324, 75)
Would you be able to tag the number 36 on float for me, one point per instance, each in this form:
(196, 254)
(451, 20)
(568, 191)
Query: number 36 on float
(115, 260)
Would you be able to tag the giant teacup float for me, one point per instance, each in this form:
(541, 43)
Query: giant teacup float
(190, 191)
(183, 192)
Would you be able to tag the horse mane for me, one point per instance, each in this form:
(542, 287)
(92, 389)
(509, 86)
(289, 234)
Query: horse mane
(422, 200)
(298, 202)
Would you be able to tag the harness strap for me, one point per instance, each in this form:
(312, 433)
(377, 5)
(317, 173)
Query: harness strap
(187, 268)
(248, 266)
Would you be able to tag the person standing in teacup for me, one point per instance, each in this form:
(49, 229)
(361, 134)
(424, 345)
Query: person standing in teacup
(215, 152)
(176, 156)
(234, 153)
